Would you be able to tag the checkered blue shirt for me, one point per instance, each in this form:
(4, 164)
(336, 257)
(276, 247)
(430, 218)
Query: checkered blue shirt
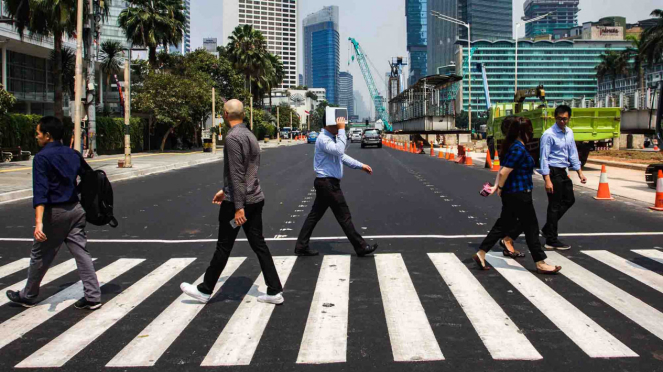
(518, 159)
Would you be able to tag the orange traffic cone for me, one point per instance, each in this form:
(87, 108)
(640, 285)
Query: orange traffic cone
(489, 163)
(604, 188)
(658, 204)
(440, 155)
(496, 163)
(452, 155)
(468, 160)
(432, 151)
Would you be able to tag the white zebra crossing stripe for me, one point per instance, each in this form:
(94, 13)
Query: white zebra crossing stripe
(412, 338)
(633, 308)
(652, 254)
(239, 339)
(64, 347)
(501, 336)
(14, 267)
(629, 268)
(52, 274)
(582, 330)
(154, 340)
(29, 319)
(326, 335)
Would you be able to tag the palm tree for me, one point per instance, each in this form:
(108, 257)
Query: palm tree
(247, 49)
(151, 23)
(612, 64)
(68, 57)
(636, 56)
(653, 45)
(111, 61)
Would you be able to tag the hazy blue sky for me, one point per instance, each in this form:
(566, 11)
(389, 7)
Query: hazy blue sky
(379, 26)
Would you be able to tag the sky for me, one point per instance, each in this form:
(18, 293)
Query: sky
(379, 27)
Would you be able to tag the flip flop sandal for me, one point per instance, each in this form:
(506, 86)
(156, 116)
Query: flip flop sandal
(546, 272)
(478, 262)
(514, 254)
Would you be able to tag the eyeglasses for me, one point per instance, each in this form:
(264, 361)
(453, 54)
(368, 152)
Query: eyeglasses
(562, 119)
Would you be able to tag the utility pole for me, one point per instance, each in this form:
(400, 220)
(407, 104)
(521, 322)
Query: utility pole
(127, 115)
(278, 124)
(251, 100)
(213, 120)
(90, 100)
(79, 76)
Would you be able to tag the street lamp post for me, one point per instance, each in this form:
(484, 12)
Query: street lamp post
(517, 27)
(444, 17)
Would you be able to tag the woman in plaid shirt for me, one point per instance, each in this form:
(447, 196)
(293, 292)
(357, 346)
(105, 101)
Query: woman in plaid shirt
(514, 185)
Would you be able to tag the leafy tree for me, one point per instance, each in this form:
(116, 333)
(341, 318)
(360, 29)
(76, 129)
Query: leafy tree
(247, 50)
(612, 65)
(7, 100)
(637, 55)
(653, 45)
(312, 95)
(317, 115)
(284, 115)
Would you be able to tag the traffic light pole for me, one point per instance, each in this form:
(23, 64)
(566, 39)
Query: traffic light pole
(213, 120)
(90, 99)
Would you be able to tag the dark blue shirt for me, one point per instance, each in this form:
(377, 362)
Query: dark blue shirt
(54, 172)
(518, 159)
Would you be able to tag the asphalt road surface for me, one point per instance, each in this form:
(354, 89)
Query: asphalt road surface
(417, 305)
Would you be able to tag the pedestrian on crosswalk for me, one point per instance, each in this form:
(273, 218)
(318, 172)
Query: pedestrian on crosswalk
(59, 217)
(328, 164)
(514, 184)
(242, 201)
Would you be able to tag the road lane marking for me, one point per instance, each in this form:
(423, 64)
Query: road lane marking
(498, 332)
(150, 344)
(631, 307)
(652, 254)
(629, 268)
(52, 274)
(326, 335)
(412, 338)
(239, 339)
(64, 347)
(581, 329)
(29, 319)
(14, 267)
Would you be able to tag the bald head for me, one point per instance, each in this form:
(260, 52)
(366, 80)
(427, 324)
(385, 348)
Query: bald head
(234, 110)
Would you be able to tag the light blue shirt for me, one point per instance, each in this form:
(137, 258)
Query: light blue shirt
(558, 149)
(330, 155)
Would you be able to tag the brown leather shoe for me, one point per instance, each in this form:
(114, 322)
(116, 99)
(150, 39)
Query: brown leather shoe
(479, 263)
(546, 272)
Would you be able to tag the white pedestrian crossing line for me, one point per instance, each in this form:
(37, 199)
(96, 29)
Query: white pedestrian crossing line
(52, 274)
(64, 347)
(629, 268)
(412, 338)
(24, 322)
(498, 332)
(582, 330)
(14, 267)
(652, 254)
(633, 308)
(239, 339)
(150, 344)
(326, 335)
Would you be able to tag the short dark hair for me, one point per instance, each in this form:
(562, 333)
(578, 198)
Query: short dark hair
(52, 126)
(324, 119)
(563, 109)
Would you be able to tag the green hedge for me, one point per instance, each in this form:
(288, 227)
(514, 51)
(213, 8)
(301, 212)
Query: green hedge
(19, 130)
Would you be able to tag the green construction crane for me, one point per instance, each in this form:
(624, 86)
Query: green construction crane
(378, 100)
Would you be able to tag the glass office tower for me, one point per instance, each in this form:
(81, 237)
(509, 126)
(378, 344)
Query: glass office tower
(322, 51)
(416, 13)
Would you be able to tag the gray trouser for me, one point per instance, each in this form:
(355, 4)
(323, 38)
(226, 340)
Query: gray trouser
(62, 224)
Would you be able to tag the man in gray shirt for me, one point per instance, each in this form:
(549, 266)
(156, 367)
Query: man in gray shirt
(241, 202)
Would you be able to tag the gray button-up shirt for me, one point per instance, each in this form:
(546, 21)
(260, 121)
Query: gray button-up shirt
(241, 160)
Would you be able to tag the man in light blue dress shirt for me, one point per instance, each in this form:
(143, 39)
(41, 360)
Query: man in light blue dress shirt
(328, 164)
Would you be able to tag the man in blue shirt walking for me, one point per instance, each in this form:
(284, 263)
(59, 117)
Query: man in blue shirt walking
(559, 152)
(328, 166)
(59, 217)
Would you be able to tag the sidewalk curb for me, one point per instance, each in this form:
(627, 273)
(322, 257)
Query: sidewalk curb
(27, 193)
(618, 164)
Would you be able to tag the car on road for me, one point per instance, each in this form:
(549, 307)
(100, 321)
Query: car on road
(355, 135)
(312, 137)
(371, 137)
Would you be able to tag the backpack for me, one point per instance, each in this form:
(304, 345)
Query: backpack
(96, 196)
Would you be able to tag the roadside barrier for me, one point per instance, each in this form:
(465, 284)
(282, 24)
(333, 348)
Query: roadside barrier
(658, 203)
(604, 189)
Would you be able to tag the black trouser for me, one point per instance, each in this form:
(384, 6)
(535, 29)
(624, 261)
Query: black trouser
(227, 236)
(517, 210)
(328, 194)
(559, 202)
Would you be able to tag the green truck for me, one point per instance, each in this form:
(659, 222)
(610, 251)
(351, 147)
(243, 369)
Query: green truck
(592, 127)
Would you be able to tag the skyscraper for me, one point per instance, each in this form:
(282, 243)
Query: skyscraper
(564, 16)
(322, 51)
(210, 44)
(110, 30)
(442, 36)
(186, 39)
(416, 14)
(345, 92)
(490, 19)
(277, 20)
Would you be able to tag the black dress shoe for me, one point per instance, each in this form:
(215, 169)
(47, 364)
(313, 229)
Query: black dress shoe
(367, 250)
(306, 252)
(15, 297)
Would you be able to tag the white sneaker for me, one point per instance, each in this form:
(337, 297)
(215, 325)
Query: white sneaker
(193, 291)
(276, 299)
